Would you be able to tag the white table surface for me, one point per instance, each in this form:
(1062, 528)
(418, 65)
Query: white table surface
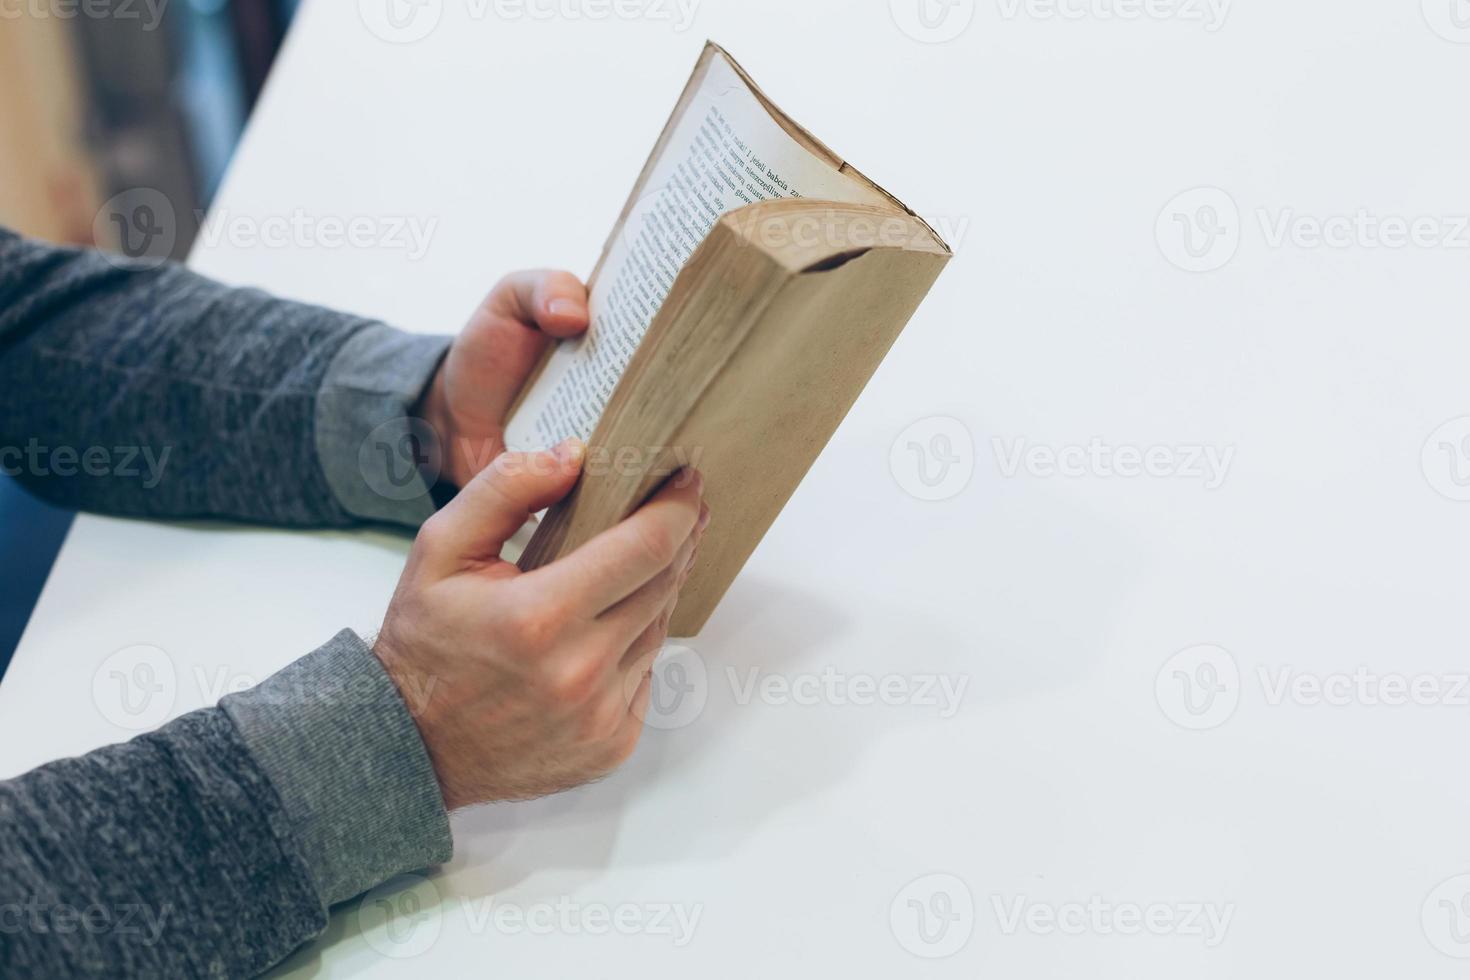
(1050, 150)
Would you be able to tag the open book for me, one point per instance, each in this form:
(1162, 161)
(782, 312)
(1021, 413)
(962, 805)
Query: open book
(749, 290)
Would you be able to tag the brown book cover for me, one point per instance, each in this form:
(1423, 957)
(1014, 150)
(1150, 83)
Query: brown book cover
(764, 338)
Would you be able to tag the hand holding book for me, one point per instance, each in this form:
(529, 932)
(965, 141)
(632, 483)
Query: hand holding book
(490, 361)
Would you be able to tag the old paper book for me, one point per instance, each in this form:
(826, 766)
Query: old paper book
(750, 289)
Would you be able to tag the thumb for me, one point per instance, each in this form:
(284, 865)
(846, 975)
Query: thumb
(502, 497)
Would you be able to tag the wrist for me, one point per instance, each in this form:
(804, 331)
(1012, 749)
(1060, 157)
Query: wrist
(366, 407)
(337, 739)
(433, 409)
(426, 699)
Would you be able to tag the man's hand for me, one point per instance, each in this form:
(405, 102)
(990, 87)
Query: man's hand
(472, 391)
(528, 683)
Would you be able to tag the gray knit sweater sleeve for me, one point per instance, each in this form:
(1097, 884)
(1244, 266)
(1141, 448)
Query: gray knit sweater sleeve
(214, 846)
(152, 391)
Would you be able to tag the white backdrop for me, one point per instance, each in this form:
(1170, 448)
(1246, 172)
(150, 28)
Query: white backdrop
(1118, 633)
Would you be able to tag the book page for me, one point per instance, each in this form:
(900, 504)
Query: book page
(724, 153)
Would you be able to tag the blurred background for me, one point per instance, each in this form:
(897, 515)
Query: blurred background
(98, 97)
(101, 96)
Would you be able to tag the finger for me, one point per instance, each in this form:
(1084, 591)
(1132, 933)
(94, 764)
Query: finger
(554, 302)
(524, 314)
(700, 527)
(501, 498)
(625, 739)
(631, 615)
(643, 651)
(618, 561)
(639, 690)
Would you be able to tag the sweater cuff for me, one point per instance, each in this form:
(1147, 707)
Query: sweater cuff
(339, 745)
(373, 453)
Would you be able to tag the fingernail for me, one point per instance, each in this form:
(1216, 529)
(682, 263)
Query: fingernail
(565, 307)
(704, 516)
(698, 481)
(570, 451)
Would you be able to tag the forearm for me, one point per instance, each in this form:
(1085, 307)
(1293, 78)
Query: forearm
(176, 847)
(154, 391)
(214, 846)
